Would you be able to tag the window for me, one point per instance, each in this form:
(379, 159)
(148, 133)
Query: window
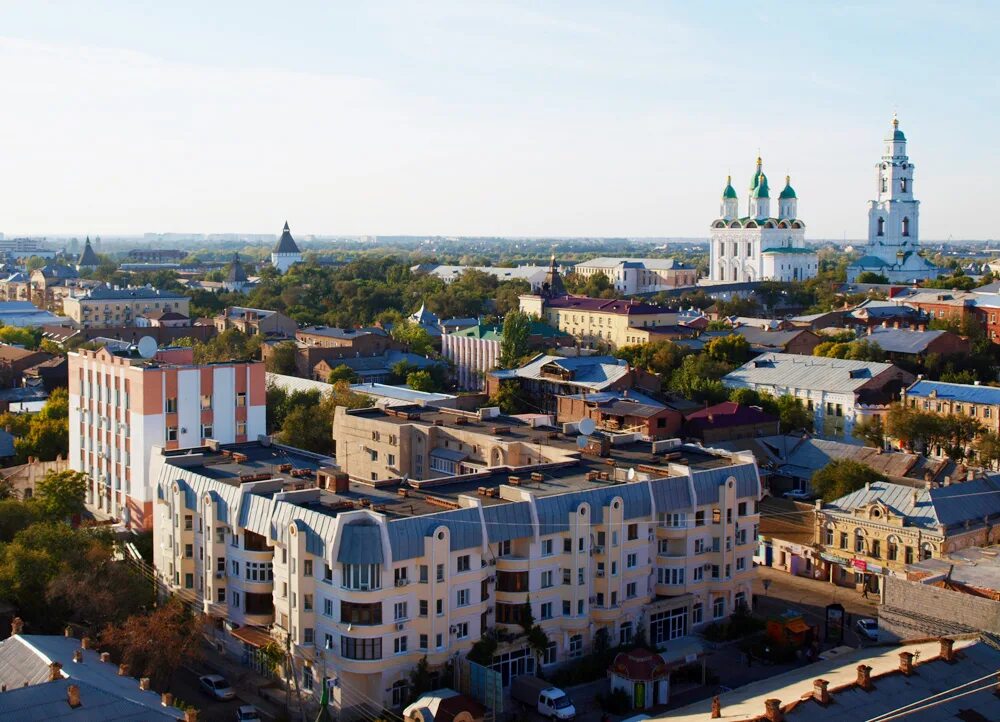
(843, 540)
(892, 549)
(567, 546)
(462, 598)
(236, 600)
(567, 608)
(547, 610)
(463, 563)
(718, 607)
(699, 518)
(625, 633)
(512, 581)
(206, 401)
(327, 573)
(546, 547)
(361, 577)
(699, 546)
(567, 576)
(171, 433)
(546, 579)
(307, 602)
(241, 428)
(361, 648)
(549, 657)
(876, 548)
(908, 555)
(859, 542)
(361, 614)
(440, 572)
(171, 405)
(741, 509)
(698, 574)
(697, 614)
(308, 635)
(327, 607)
(399, 611)
(670, 575)
(399, 645)
(423, 573)
(631, 561)
(673, 520)
(630, 590)
(741, 563)
(307, 567)
(462, 630)
(576, 645)
(633, 532)
(439, 640)
(423, 641)
(423, 607)
(716, 516)
(614, 568)
(828, 536)
(580, 581)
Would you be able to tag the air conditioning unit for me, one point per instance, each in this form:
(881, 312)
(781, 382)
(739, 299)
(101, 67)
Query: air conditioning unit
(453, 629)
(400, 626)
(597, 550)
(402, 582)
(220, 575)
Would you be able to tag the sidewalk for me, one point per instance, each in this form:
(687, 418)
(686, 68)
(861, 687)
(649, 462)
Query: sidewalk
(248, 684)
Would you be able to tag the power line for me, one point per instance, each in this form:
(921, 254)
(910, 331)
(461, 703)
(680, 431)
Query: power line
(915, 707)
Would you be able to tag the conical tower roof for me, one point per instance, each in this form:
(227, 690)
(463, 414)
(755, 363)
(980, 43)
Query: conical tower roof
(552, 285)
(286, 244)
(88, 257)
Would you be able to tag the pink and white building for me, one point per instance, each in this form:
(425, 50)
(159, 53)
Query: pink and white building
(122, 406)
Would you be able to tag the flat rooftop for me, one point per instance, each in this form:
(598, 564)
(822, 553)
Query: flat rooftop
(236, 463)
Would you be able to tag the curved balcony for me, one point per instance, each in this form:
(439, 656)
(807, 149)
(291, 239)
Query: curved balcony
(513, 564)
(608, 613)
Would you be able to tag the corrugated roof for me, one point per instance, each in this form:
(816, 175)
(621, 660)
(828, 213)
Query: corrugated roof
(508, 521)
(44, 702)
(706, 482)
(596, 372)
(406, 536)
(795, 371)
(672, 494)
(903, 340)
(964, 393)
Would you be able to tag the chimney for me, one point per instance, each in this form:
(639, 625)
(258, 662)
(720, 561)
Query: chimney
(123, 670)
(85, 642)
(167, 699)
(106, 657)
(947, 649)
(68, 632)
(16, 625)
(772, 710)
(821, 693)
(865, 677)
(73, 696)
(191, 715)
(55, 671)
(716, 707)
(906, 663)
(77, 655)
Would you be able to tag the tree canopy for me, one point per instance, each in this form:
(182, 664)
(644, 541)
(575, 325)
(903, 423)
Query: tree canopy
(841, 477)
(514, 342)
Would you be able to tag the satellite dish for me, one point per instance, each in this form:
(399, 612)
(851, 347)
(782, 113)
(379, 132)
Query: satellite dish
(146, 347)
(631, 473)
(586, 426)
(582, 441)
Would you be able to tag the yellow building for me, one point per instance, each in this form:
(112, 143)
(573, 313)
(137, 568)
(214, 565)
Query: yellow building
(880, 529)
(598, 321)
(120, 306)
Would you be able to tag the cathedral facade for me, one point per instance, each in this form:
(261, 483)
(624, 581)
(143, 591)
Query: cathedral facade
(894, 220)
(760, 246)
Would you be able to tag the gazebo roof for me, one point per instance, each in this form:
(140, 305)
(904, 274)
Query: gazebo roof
(639, 664)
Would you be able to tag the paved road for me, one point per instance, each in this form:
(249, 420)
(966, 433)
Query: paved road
(185, 687)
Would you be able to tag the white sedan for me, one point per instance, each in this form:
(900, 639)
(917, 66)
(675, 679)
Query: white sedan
(216, 686)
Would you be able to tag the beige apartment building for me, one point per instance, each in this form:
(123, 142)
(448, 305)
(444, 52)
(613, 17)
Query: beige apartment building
(438, 528)
(598, 321)
(105, 306)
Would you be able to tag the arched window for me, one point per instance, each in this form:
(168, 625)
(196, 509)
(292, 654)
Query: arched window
(884, 185)
(903, 183)
(926, 551)
(859, 541)
(906, 226)
(892, 548)
(881, 227)
(828, 534)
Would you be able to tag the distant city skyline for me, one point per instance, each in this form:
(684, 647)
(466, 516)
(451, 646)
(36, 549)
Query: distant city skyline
(521, 119)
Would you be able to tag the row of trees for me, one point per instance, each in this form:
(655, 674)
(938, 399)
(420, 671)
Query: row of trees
(304, 419)
(923, 431)
(44, 435)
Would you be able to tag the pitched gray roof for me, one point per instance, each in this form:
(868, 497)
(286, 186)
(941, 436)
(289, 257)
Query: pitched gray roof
(360, 543)
(946, 505)
(903, 340)
(286, 244)
(406, 536)
(508, 521)
(795, 371)
(88, 257)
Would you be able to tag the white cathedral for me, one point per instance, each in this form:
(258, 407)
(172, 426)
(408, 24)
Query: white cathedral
(893, 220)
(758, 246)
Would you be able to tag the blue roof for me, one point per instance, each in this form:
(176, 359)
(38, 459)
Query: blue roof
(360, 543)
(708, 481)
(965, 393)
(508, 521)
(406, 536)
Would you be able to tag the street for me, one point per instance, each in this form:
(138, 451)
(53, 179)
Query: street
(185, 688)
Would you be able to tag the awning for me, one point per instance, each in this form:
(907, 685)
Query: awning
(254, 636)
(681, 651)
(797, 626)
(448, 454)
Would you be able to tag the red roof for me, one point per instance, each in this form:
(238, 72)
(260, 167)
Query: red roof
(607, 305)
(728, 413)
(639, 664)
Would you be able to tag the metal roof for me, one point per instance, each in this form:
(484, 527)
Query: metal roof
(707, 482)
(508, 521)
(944, 505)
(360, 543)
(964, 393)
(672, 494)
(902, 340)
(406, 536)
(795, 371)
(596, 372)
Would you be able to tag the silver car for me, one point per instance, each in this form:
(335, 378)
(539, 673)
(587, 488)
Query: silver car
(216, 686)
(868, 629)
(248, 713)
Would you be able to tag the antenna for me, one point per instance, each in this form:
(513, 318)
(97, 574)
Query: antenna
(586, 426)
(146, 347)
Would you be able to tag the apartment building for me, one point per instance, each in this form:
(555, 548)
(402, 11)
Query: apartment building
(122, 407)
(369, 571)
(839, 392)
(595, 321)
(105, 306)
(255, 322)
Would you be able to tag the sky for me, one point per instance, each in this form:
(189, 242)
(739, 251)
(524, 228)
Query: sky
(486, 118)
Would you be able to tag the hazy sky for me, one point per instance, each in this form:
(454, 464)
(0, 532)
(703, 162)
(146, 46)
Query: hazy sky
(486, 118)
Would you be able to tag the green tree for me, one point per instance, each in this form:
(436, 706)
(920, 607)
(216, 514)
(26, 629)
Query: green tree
(658, 357)
(421, 381)
(871, 277)
(281, 360)
(841, 477)
(987, 448)
(514, 341)
(60, 495)
(343, 372)
(733, 349)
(699, 379)
(793, 414)
(413, 336)
(15, 516)
(509, 398)
(871, 431)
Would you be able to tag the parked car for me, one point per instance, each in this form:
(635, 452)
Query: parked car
(215, 685)
(797, 494)
(248, 713)
(868, 629)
